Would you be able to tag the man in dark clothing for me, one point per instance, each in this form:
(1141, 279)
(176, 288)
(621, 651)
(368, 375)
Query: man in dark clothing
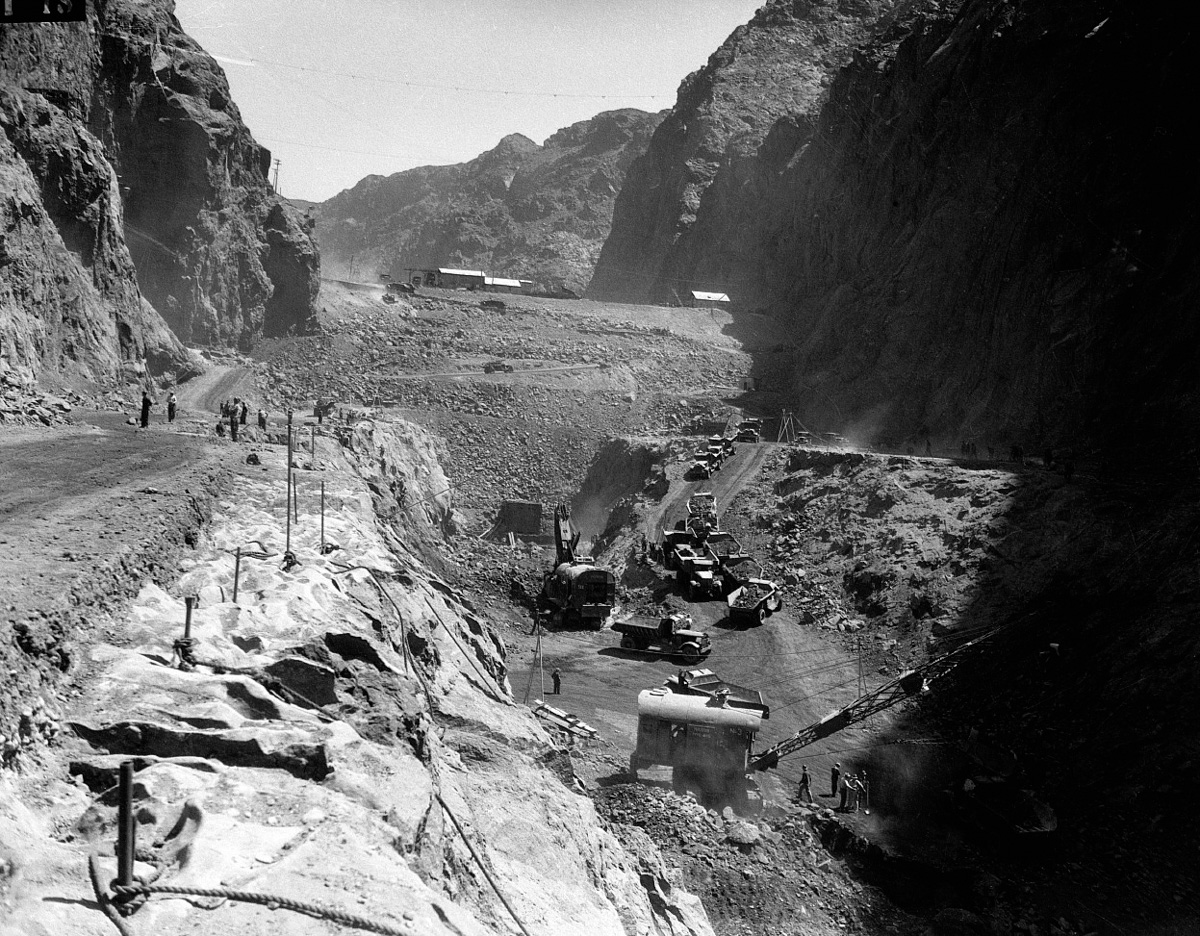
(833, 779)
(262, 419)
(805, 793)
(557, 681)
(233, 424)
(245, 410)
(145, 408)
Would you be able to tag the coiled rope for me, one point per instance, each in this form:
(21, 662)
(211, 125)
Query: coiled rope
(111, 903)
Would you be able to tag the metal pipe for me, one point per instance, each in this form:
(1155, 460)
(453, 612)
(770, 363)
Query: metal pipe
(322, 518)
(237, 568)
(125, 828)
(189, 602)
(288, 511)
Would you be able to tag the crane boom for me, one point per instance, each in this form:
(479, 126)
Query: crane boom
(906, 686)
(565, 536)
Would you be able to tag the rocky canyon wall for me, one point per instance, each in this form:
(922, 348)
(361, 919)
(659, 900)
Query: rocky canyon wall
(759, 93)
(985, 232)
(520, 209)
(135, 195)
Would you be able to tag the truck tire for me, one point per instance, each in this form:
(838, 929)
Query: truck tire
(627, 642)
(762, 613)
(641, 643)
(690, 652)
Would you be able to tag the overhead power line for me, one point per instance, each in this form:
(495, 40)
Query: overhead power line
(513, 92)
(385, 79)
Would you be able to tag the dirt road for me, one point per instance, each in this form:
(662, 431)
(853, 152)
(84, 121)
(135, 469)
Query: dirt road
(207, 392)
(87, 512)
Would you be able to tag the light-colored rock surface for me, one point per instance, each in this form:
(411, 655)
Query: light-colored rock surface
(244, 783)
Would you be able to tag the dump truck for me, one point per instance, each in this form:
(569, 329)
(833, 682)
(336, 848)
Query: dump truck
(727, 548)
(698, 573)
(671, 635)
(672, 540)
(702, 509)
(749, 430)
(722, 444)
(497, 367)
(751, 602)
(575, 592)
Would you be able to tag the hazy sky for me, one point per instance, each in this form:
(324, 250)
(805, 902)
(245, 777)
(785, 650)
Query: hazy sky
(341, 89)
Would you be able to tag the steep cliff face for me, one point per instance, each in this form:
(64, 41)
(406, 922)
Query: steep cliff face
(218, 253)
(769, 77)
(975, 236)
(540, 212)
(133, 184)
(69, 302)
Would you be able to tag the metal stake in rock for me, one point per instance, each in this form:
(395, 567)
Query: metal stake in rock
(288, 511)
(126, 831)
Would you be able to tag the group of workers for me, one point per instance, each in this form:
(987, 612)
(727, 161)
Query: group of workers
(852, 788)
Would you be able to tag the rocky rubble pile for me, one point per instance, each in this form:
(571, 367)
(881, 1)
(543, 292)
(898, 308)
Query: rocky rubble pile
(910, 549)
(529, 434)
(755, 876)
(22, 403)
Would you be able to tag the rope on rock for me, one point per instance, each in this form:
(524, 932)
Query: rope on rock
(102, 897)
(271, 901)
(482, 867)
(485, 681)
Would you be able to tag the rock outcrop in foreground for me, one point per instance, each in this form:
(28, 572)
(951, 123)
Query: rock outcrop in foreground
(134, 195)
(538, 212)
(347, 737)
(971, 237)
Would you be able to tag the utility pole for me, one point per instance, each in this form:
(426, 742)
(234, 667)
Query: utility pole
(275, 181)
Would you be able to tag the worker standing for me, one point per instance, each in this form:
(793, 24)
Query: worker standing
(557, 681)
(145, 408)
(805, 792)
(833, 779)
(171, 403)
(844, 788)
(865, 784)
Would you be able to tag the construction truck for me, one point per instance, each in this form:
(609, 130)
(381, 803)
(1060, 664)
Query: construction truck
(727, 548)
(723, 444)
(702, 511)
(703, 729)
(749, 430)
(752, 601)
(575, 592)
(671, 635)
(699, 573)
(700, 468)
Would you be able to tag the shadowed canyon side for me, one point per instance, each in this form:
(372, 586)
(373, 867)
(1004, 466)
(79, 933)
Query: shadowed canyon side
(539, 212)
(970, 240)
(758, 95)
(159, 170)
